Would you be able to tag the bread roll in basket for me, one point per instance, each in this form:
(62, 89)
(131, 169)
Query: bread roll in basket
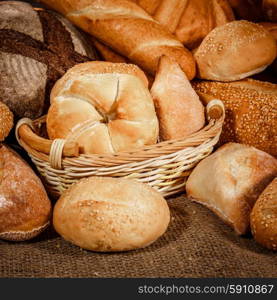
(164, 166)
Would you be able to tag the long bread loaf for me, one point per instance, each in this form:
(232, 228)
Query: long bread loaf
(128, 30)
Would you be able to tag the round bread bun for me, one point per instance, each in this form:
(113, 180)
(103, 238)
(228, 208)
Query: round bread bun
(39, 46)
(111, 214)
(105, 107)
(25, 208)
(263, 218)
(6, 121)
(235, 51)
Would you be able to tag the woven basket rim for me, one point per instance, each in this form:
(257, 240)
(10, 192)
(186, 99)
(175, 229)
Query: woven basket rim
(209, 131)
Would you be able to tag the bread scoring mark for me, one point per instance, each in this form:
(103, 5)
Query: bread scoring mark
(155, 43)
(100, 12)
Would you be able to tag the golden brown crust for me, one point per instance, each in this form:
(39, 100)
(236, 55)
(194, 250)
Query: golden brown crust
(229, 182)
(111, 214)
(127, 29)
(250, 107)
(270, 10)
(24, 205)
(271, 27)
(104, 107)
(235, 51)
(6, 121)
(247, 10)
(199, 18)
(179, 110)
(263, 218)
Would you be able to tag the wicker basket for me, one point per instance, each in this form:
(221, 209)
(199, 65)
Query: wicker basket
(165, 166)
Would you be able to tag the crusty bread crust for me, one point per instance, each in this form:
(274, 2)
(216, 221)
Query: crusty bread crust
(25, 208)
(128, 30)
(263, 218)
(6, 121)
(179, 110)
(230, 181)
(250, 107)
(235, 51)
(104, 107)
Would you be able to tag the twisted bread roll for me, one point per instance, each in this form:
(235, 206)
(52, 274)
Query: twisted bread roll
(128, 30)
(105, 107)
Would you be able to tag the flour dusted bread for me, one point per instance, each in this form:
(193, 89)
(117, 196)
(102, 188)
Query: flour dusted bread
(179, 110)
(111, 214)
(128, 30)
(25, 209)
(230, 181)
(104, 107)
(235, 51)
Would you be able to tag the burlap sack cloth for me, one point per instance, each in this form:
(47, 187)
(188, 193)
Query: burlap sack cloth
(196, 244)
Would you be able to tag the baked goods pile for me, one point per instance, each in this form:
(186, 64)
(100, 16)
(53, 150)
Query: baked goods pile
(119, 75)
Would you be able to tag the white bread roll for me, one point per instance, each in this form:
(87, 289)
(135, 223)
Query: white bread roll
(179, 109)
(104, 107)
(235, 51)
(25, 208)
(263, 218)
(229, 182)
(108, 214)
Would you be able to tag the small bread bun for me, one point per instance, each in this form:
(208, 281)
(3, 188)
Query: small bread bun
(105, 107)
(230, 181)
(24, 205)
(179, 109)
(235, 51)
(111, 214)
(263, 218)
(6, 121)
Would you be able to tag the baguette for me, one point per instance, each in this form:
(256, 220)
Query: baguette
(128, 30)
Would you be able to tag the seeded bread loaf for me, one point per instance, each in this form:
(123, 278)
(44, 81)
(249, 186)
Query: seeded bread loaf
(263, 218)
(36, 48)
(251, 109)
(25, 208)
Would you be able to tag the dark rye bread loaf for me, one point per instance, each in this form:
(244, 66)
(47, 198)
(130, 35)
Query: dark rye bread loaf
(36, 48)
(251, 110)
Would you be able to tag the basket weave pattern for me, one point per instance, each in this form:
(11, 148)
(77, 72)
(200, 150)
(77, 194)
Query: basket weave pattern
(164, 166)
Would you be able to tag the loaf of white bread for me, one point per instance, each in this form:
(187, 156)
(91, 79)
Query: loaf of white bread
(229, 182)
(104, 107)
(111, 214)
(128, 30)
(25, 209)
